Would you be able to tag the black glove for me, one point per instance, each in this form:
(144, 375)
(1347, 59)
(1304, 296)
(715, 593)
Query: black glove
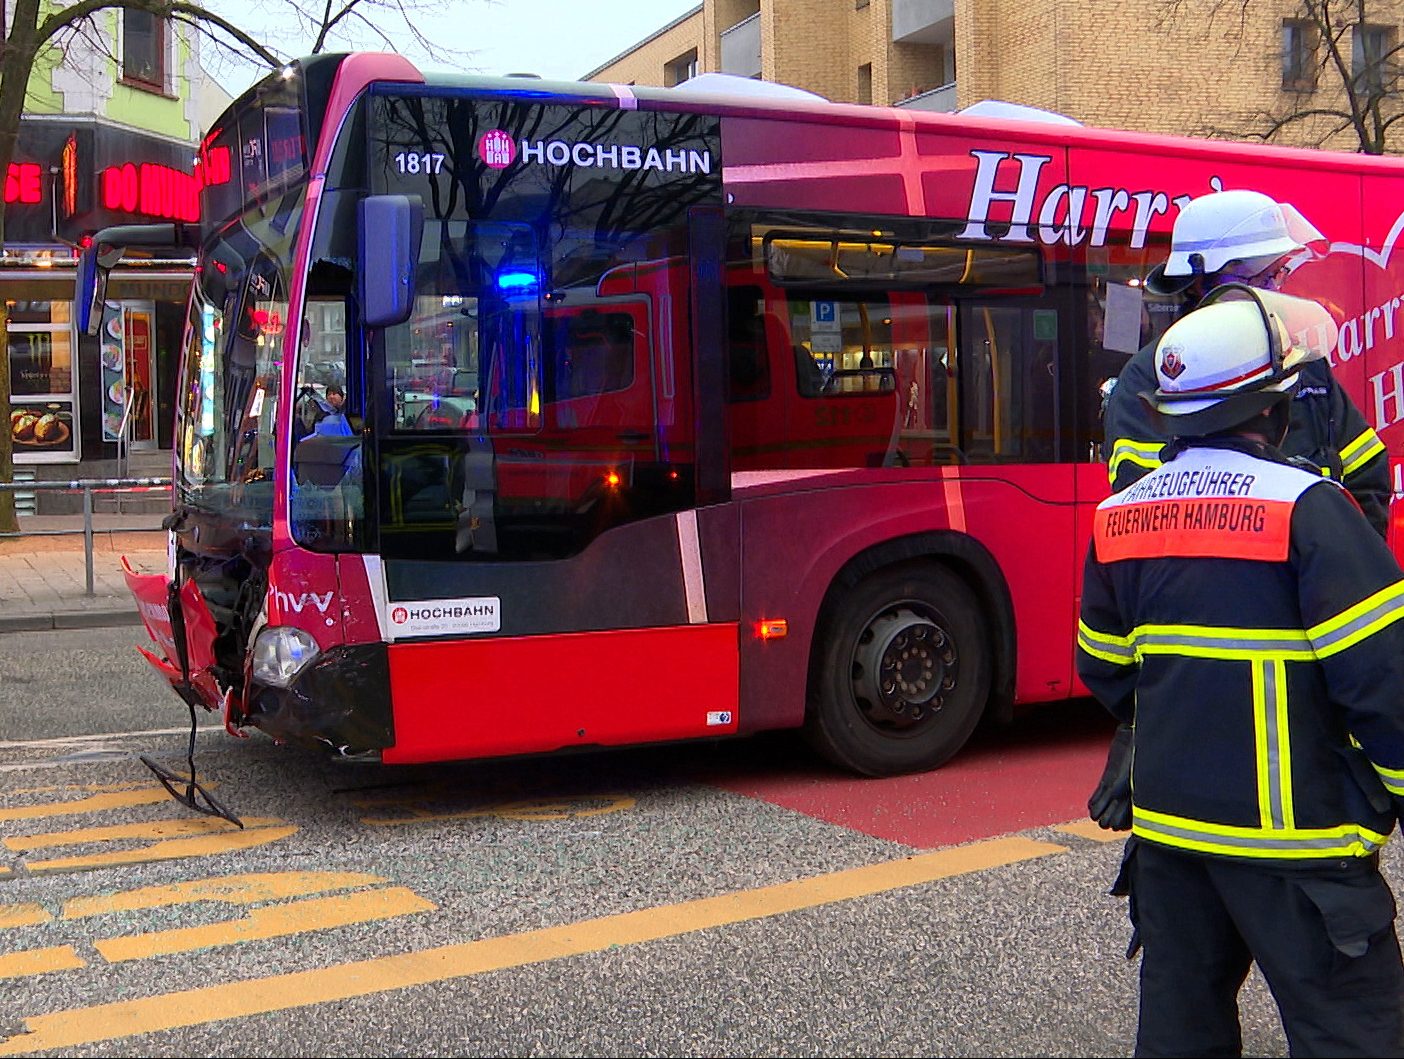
(1110, 804)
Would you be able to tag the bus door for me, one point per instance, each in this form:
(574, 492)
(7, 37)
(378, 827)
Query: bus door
(1012, 366)
(546, 583)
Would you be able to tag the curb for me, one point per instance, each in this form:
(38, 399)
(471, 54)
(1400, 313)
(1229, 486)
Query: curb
(69, 619)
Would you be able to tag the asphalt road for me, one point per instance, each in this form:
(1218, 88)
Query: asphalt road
(721, 899)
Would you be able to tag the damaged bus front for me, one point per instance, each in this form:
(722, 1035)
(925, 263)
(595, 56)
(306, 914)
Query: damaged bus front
(241, 610)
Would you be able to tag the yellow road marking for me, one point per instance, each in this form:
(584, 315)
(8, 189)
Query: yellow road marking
(28, 915)
(1091, 829)
(193, 1007)
(537, 809)
(55, 788)
(160, 829)
(171, 840)
(92, 804)
(173, 849)
(299, 917)
(38, 961)
(230, 889)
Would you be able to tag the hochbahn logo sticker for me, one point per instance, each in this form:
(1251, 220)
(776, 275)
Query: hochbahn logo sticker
(443, 617)
(498, 149)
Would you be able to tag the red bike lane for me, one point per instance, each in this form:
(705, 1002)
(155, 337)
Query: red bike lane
(1036, 772)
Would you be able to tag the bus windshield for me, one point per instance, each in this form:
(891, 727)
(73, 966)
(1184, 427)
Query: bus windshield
(254, 169)
(537, 395)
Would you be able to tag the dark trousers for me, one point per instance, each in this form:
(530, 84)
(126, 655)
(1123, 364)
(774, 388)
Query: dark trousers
(1323, 938)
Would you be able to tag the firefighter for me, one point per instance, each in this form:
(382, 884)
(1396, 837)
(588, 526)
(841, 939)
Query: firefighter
(1241, 615)
(1246, 237)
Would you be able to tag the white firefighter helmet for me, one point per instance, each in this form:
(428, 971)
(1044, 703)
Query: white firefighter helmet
(1237, 353)
(1227, 226)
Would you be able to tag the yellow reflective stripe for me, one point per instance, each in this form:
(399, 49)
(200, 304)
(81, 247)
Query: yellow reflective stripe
(1272, 745)
(1141, 453)
(1118, 650)
(1282, 777)
(1228, 643)
(1356, 623)
(1393, 779)
(1260, 748)
(1344, 840)
(1361, 451)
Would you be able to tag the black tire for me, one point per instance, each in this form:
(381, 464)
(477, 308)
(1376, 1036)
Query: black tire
(902, 672)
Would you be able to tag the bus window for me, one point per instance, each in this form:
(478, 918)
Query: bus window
(326, 491)
(849, 344)
(925, 382)
(1122, 317)
(251, 380)
(1008, 383)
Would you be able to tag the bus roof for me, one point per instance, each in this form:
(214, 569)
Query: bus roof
(722, 98)
(789, 103)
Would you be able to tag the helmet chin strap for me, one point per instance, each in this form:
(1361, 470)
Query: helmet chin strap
(1275, 422)
(1269, 425)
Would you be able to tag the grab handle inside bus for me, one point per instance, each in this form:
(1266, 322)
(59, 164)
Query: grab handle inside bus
(108, 247)
(391, 227)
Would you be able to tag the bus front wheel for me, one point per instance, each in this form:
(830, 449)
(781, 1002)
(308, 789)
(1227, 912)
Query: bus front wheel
(903, 672)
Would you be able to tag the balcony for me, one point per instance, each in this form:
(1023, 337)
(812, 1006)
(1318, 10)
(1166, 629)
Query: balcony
(942, 99)
(923, 21)
(741, 48)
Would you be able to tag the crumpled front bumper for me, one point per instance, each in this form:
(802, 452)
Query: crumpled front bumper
(184, 630)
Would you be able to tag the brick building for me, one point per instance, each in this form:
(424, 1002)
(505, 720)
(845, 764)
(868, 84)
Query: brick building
(1202, 67)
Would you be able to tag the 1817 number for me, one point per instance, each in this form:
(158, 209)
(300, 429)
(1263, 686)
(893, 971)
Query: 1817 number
(415, 162)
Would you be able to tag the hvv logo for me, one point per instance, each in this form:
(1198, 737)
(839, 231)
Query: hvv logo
(286, 601)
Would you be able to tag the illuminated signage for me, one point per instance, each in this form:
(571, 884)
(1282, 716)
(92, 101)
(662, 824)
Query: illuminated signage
(68, 168)
(151, 189)
(24, 183)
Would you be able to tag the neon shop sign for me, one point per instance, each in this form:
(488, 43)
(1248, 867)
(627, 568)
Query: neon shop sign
(151, 189)
(24, 183)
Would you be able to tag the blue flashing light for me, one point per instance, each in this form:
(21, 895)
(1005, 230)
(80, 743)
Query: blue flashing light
(517, 281)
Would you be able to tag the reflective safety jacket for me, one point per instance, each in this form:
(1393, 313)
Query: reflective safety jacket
(1244, 617)
(1326, 429)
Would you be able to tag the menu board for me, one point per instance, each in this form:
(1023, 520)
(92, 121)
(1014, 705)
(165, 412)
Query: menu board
(114, 372)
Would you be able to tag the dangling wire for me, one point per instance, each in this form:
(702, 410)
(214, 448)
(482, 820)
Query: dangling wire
(194, 793)
(195, 796)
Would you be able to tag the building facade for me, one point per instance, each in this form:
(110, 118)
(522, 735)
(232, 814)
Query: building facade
(1207, 68)
(108, 136)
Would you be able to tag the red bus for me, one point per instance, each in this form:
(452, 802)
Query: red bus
(669, 414)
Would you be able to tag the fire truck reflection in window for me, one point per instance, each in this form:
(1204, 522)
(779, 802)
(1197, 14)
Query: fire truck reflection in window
(593, 353)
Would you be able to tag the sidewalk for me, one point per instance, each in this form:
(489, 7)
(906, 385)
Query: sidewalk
(43, 579)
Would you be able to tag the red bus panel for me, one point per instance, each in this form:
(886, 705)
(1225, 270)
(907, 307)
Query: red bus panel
(530, 694)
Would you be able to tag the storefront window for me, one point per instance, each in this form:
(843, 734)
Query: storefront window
(40, 349)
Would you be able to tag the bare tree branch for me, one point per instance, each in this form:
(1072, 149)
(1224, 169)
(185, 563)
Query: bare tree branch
(1357, 82)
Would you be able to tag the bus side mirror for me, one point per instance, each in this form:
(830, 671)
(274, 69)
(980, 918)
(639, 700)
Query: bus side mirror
(387, 252)
(106, 250)
(90, 292)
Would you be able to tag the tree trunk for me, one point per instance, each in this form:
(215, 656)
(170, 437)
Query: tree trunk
(9, 523)
(15, 67)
